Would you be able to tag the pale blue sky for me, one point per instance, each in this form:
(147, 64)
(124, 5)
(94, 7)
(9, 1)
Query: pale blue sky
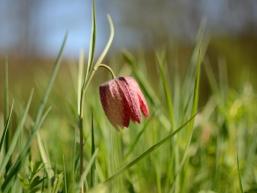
(48, 20)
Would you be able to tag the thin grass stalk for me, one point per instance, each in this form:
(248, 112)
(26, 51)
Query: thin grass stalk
(173, 150)
(93, 168)
(239, 175)
(6, 101)
(45, 157)
(6, 109)
(65, 175)
(6, 126)
(115, 160)
(198, 57)
(148, 91)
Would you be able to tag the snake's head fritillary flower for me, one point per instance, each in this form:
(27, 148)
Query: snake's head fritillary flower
(122, 101)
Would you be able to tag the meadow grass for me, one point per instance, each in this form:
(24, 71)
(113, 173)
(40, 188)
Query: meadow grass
(59, 139)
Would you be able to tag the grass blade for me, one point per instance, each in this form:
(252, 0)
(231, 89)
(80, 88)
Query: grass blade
(88, 168)
(65, 175)
(55, 69)
(109, 42)
(92, 172)
(16, 135)
(17, 165)
(6, 127)
(140, 77)
(40, 117)
(6, 102)
(45, 158)
(239, 175)
(211, 77)
(92, 38)
(6, 91)
(134, 143)
(166, 87)
(80, 79)
(197, 58)
(149, 150)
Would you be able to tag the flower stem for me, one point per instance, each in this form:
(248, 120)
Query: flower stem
(85, 86)
(87, 80)
(81, 141)
(80, 115)
(107, 68)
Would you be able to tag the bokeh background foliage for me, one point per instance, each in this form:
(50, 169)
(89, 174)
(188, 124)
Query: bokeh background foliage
(211, 74)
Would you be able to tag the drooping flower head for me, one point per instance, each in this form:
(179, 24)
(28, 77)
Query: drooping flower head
(122, 101)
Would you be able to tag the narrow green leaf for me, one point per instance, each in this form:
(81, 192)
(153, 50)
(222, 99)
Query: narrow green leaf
(109, 42)
(17, 165)
(134, 143)
(6, 127)
(45, 158)
(92, 172)
(65, 175)
(239, 175)
(40, 116)
(166, 87)
(88, 168)
(6, 91)
(16, 135)
(6, 102)
(196, 60)
(198, 56)
(80, 80)
(140, 77)
(223, 79)
(55, 69)
(92, 38)
(210, 75)
(149, 150)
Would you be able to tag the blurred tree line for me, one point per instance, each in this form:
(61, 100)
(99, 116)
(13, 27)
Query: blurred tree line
(27, 24)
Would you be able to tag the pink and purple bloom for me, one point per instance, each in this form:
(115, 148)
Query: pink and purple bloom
(122, 101)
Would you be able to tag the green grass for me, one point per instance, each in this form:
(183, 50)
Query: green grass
(150, 157)
(180, 148)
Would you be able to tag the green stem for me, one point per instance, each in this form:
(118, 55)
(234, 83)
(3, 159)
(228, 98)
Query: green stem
(85, 86)
(80, 115)
(107, 68)
(6, 101)
(80, 124)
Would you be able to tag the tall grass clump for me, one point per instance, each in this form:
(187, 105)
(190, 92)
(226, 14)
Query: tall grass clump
(15, 149)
